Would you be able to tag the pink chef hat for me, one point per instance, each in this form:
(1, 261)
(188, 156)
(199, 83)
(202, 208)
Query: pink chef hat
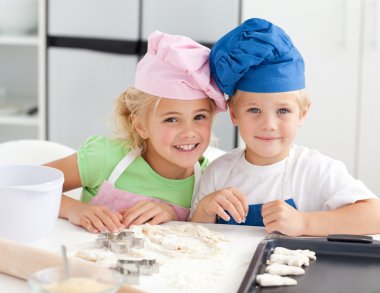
(176, 67)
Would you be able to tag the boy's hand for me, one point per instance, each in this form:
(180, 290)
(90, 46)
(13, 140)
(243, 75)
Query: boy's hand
(148, 212)
(217, 203)
(95, 218)
(281, 217)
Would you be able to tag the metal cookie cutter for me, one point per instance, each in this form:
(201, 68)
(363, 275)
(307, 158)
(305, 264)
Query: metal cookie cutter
(120, 242)
(144, 266)
(131, 271)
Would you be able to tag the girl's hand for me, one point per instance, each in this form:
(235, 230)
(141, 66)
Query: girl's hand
(148, 212)
(95, 218)
(281, 217)
(217, 203)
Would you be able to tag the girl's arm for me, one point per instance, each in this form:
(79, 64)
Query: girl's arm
(93, 218)
(361, 217)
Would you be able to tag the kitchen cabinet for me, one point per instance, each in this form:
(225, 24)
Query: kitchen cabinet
(369, 118)
(327, 33)
(22, 82)
(91, 60)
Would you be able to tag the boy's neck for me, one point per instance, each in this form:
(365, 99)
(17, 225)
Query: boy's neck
(258, 160)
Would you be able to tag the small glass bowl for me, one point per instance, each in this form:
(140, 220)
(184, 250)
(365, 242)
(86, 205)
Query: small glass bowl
(53, 280)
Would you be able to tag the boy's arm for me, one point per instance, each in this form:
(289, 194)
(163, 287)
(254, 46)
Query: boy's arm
(361, 217)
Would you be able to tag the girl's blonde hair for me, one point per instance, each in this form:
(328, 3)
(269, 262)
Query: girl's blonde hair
(131, 104)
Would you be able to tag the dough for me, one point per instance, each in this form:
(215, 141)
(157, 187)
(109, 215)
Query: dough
(283, 270)
(274, 280)
(282, 250)
(195, 240)
(291, 260)
(77, 285)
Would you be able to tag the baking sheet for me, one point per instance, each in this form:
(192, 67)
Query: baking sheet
(339, 267)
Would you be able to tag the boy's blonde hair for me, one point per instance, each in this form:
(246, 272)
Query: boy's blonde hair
(302, 98)
(131, 104)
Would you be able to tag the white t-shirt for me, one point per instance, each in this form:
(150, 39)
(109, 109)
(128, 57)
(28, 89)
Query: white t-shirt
(315, 181)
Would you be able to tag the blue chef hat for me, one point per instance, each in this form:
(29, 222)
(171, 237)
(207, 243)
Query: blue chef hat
(257, 56)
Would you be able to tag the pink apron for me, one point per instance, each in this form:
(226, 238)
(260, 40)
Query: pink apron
(117, 199)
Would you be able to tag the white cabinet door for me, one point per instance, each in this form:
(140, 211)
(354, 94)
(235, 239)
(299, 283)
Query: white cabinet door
(203, 21)
(326, 32)
(105, 19)
(83, 86)
(369, 148)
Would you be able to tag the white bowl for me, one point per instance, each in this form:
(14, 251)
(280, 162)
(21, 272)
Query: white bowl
(80, 279)
(30, 197)
(18, 16)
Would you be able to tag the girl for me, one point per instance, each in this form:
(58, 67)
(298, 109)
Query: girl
(149, 173)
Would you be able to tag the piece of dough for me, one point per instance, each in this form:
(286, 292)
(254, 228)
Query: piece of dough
(283, 270)
(274, 280)
(291, 260)
(282, 250)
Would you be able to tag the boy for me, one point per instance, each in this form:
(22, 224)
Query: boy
(273, 183)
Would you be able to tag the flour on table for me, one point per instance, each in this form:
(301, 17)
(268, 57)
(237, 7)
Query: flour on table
(186, 253)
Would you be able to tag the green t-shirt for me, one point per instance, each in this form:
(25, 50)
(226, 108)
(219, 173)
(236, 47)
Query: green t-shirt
(98, 157)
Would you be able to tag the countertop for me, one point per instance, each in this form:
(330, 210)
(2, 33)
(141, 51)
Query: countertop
(221, 274)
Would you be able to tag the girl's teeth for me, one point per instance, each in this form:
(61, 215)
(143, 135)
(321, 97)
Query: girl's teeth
(187, 147)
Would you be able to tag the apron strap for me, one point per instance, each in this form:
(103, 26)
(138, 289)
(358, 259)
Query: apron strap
(123, 164)
(197, 178)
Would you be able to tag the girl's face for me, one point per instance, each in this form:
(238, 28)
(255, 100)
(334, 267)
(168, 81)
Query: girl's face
(268, 124)
(177, 134)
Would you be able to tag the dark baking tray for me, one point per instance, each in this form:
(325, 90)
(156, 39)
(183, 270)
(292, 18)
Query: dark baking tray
(349, 266)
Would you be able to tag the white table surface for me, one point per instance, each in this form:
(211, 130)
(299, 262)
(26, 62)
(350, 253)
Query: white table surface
(239, 250)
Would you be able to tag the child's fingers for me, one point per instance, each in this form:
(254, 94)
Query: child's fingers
(146, 216)
(269, 218)
(158, 219)
(86, 223)
(243, 200)
(96, 222)
(222, 213)
(229, 205)
(271, 207)
(108, 222)
(236, 200)
(113, 220)
(134, 212)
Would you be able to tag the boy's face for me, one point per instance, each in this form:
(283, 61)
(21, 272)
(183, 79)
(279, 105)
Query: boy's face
(268, 123)
(177, 134)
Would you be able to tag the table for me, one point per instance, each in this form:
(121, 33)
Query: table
(239, 250)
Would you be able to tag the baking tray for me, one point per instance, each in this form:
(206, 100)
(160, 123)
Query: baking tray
(344, 264)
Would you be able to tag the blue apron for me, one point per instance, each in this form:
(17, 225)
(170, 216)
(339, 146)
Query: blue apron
(254, 217)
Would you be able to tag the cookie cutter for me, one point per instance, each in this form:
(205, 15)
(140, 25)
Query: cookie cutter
(120, 242)
(141, 267)
(131, 271)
